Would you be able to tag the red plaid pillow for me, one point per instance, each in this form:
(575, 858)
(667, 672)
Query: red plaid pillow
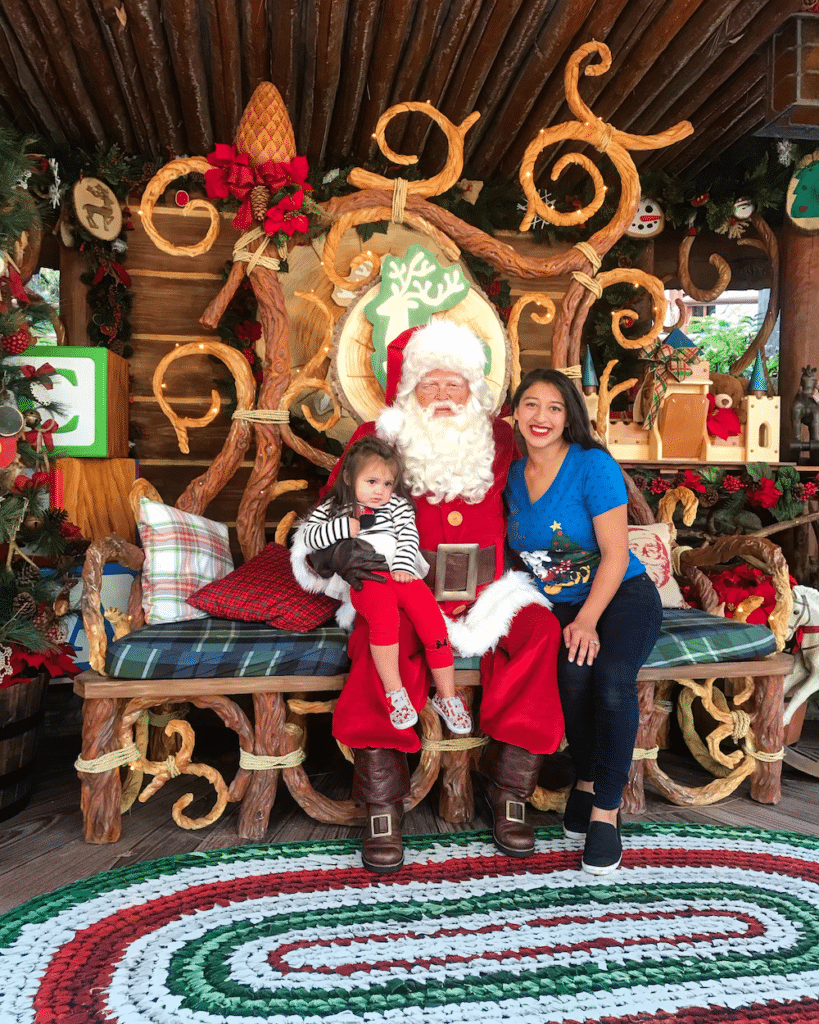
(264, 589)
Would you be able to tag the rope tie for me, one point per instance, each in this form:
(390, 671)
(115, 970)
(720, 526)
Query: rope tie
(740, 723)
(171, 767)
(645, 754)
(666, 706)
(265, 762)
(242, 254)
(575, 371)
(590, 253)
(588, 282)
(399, 200)
(107, 762)
(605, 138)
(763, 755)
(262, 415)
(463, 743)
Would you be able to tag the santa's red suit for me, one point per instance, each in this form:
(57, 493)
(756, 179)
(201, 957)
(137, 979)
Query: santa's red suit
(507, 623)
(520, 703)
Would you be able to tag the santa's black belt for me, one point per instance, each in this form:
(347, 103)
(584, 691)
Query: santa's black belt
(457, 570)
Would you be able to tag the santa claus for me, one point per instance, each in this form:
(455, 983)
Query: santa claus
(456, 457)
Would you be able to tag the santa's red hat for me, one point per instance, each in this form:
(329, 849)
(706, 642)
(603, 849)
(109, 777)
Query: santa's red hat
(439, 345)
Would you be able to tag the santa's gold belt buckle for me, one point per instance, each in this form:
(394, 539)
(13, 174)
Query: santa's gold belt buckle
(441, 557)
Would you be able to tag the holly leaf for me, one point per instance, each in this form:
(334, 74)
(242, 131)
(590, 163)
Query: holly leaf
(756, 470)
(787, 508)
(786, 478)
(711, 476)
(366, 231)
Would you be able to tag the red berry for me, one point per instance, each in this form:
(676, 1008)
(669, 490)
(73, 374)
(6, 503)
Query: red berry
(14, 344)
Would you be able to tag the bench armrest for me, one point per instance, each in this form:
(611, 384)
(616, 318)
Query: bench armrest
(759, 552)
(100, 553)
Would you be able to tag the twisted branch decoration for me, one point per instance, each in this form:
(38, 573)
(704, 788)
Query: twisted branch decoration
(154, 189)
(609, 140)
(716, 261)
(428, 187)
(541, 299)
(606, 394)
(366, 216)
(180, 764)
(768, 244)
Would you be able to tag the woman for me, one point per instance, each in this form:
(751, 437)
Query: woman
(567, 520)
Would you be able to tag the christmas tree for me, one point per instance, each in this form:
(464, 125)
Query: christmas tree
(39, 549)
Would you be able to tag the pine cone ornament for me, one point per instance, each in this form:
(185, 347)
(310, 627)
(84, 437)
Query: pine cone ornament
(260, 199)
(709, 498)
(26, 574)
(798, 492)
(15, 344)
(24, 606)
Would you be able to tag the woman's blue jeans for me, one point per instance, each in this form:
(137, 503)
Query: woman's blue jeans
(600, 700)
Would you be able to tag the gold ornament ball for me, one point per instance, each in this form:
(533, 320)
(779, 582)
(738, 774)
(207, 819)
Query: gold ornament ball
(33, 522)
(32, 419)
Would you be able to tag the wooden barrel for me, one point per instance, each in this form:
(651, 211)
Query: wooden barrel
(22, 708)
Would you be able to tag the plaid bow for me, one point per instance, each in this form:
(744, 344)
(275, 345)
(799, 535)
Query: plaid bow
(671, 363)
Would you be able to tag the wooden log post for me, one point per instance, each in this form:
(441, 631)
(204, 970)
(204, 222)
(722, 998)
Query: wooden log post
(768, 731)
(797, 332)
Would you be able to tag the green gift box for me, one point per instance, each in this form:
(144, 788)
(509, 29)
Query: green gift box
(91, 388)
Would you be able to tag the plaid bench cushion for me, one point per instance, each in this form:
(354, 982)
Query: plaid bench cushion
(691, 637)
(215, 648)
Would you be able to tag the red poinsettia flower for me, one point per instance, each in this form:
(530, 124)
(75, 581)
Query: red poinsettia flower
(692, 480)
(285, 216)
(248, 330)
(58, 662)
(765, 495)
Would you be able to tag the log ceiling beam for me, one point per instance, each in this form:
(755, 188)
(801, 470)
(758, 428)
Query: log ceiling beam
(173, 76)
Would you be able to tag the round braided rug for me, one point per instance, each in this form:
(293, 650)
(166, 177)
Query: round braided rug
(702, 924)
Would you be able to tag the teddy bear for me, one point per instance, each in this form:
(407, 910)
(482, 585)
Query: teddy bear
(725, 396)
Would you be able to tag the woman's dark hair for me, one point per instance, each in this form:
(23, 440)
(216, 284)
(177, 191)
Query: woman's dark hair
(578, 428)
(342, 494)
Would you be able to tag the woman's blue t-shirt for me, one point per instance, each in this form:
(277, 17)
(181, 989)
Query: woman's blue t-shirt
(555, 535)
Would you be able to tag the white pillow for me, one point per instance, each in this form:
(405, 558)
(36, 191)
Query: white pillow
(652, 545)
(183, 552)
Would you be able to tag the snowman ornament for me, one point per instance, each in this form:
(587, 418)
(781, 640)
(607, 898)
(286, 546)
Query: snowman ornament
(649, 220)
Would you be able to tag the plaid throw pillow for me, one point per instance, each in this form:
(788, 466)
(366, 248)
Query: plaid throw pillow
(182, 553)
(264, 589)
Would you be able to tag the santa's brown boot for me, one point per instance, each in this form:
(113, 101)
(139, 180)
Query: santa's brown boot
(380, 782)
(510, 776)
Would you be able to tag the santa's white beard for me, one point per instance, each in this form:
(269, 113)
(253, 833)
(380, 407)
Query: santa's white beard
(446, 457)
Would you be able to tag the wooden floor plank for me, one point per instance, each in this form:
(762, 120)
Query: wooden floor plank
(42, 848)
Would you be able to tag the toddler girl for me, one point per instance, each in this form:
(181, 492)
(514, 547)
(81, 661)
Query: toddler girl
(368, 500)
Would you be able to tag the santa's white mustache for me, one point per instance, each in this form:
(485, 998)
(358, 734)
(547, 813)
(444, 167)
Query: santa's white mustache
(446, 405)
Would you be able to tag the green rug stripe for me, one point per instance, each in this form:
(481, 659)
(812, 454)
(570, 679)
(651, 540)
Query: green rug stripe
(43, 908)
(200, 972)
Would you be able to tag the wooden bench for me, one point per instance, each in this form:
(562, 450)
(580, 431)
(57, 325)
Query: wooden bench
(112, 707)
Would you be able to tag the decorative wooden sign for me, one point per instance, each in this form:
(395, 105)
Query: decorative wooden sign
(802, 201)
(97, 209)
